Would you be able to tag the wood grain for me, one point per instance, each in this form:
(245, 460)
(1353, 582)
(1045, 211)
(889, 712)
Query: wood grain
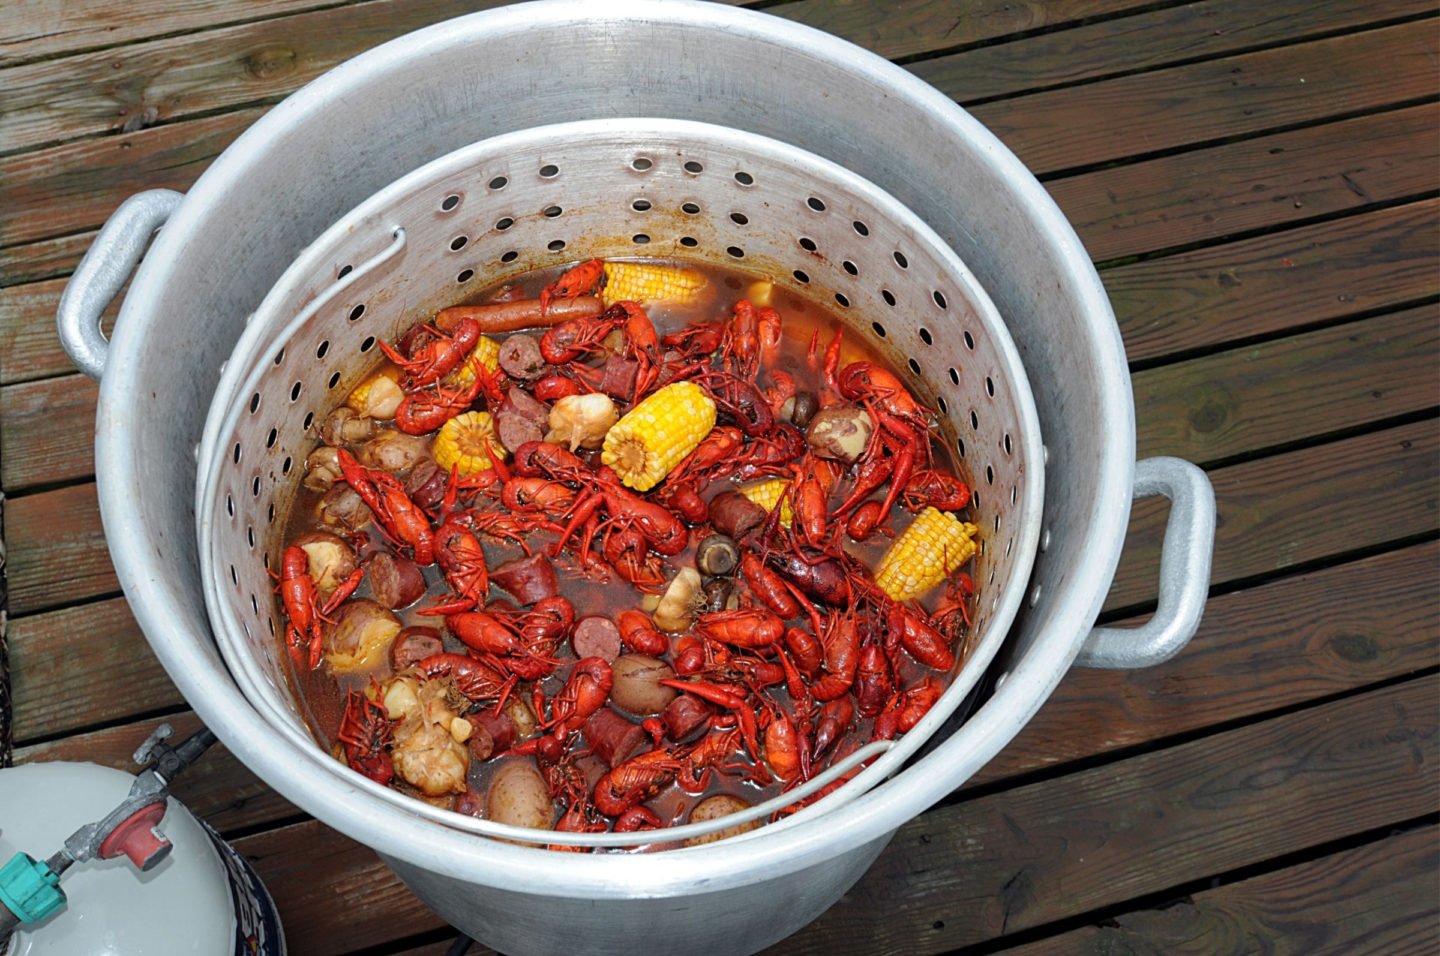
(1257, 651)
(71, 187)
(159, 81)
(983, 868)
(1143, 41)
(1289, 390)
(218, 788)
(1260, 183)
(1166, 109)
(1309, 505)
(986, 867)
(40, 28)
(1263, 286)
(80, 666)
(1376, 898)
(29, 347)
(57, 550)
(333, 894)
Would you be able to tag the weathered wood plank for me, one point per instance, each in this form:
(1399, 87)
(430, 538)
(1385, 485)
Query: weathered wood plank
(49, 429)
(983, 868)
(333, 894)
(29, 348)
(1266, 285)
(72, 187)
(124, 89)
(217, 788)
(57, 552)
(914, 27)
(41, 28)
(976, 870)
(1288, 390)
(1144, 41)
(82, 666)
(1257, 183)
(1148, 112)
(1375, 898)
(1288, 509)
(46, 259)
(1257, 650)
(76, 186)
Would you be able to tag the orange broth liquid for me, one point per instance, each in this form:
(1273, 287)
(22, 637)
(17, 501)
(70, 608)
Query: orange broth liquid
(323, 694)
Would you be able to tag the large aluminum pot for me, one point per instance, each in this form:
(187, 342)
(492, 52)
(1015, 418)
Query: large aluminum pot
(366, 123)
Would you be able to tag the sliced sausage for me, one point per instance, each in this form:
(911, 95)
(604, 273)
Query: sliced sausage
(684, 715)
(515, 430)
(499, 726)
(618, 380)
(527, 579)
(520, 358)
(611, 737)
(395, 581)
(596, 636)
(520, 314)
(414, 644)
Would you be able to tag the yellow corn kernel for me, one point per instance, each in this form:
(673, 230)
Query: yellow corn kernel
(655, 435)
(378, 395)
(768, 493)
(935, 544)
(648, 283)
(464, 441)
(487, 351)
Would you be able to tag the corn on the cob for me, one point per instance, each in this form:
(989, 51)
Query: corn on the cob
(464, 441)
(487, 350)
(656, 434)
(935, 544)
(378, 395)
(648, 283)
(768, 493)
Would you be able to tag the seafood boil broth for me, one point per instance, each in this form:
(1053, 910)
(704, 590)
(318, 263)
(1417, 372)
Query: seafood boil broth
(623, 546)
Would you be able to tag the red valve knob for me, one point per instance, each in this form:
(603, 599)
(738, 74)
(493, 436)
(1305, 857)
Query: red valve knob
(139, 838)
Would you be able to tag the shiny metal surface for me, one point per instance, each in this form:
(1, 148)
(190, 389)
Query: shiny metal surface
(553, 195)
(364, 124)
(103, 272)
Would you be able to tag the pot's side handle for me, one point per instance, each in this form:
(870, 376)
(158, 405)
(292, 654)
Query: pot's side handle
(103, 272)
(1184, 570)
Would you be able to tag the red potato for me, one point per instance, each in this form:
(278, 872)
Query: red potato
(518, 796)
(613, 738)
(527, 579)
(596, 636)
(637, 688)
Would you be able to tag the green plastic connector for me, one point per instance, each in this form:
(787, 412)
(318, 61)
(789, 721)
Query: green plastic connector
(30, 888)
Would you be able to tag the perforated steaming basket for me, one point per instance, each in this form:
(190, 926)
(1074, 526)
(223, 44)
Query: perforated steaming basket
(618, 188)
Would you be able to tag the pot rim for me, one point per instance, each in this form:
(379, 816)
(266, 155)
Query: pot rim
(714, 867)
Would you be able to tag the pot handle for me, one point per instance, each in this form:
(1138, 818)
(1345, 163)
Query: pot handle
(104, 271)
(1184, 571)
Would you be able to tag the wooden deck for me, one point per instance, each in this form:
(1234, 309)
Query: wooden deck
(1257, 183)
